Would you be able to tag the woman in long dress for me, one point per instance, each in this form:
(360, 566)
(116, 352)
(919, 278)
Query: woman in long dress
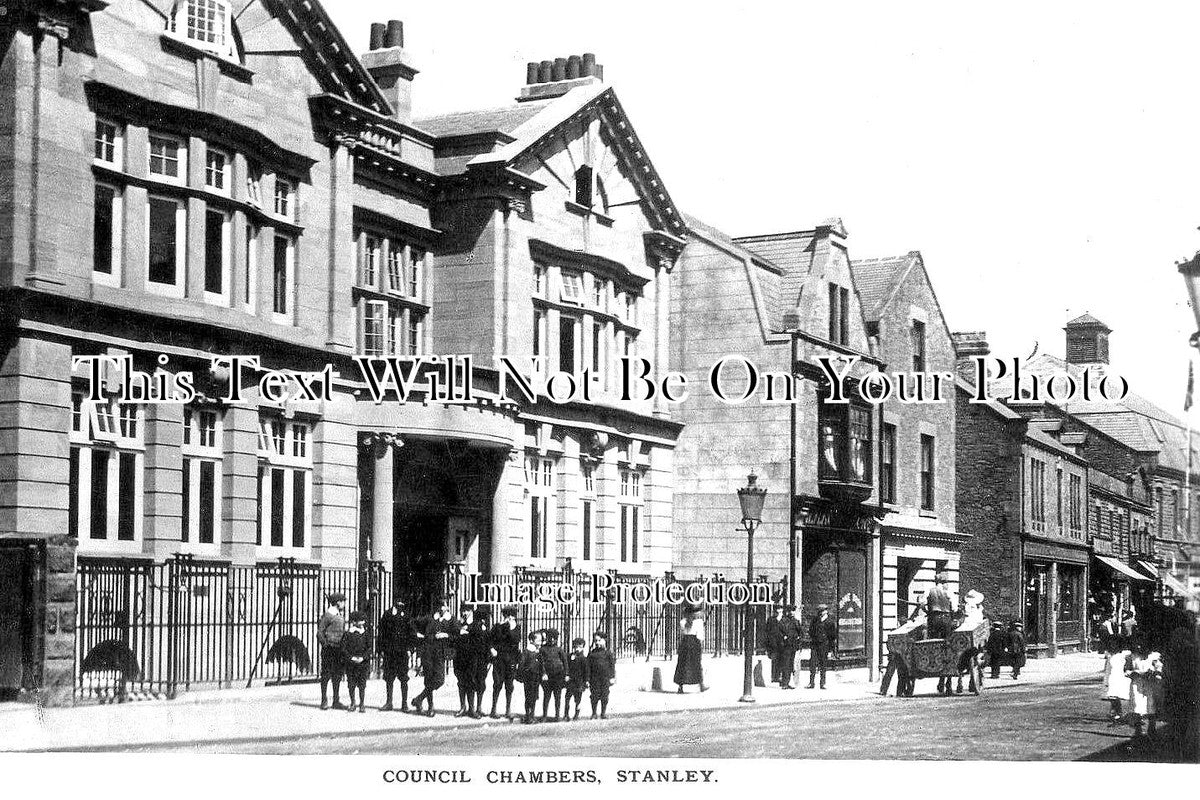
(688, 670)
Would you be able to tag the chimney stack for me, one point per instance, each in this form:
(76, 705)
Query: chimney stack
(968, 345)
(391, 67)
(556, 77)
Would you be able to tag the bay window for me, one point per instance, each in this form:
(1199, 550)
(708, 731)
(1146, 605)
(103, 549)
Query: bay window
(109, 144)
(250, 294)
(845, 442)
(285, 193)
(216, 255)
(168, 158)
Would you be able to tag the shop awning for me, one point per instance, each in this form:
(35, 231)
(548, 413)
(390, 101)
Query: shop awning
(1177, 586)
(1151, 570)
(1121, 568)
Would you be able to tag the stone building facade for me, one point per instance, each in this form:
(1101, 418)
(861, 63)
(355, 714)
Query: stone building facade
(780, 302)
(209, 178)
(916, 450)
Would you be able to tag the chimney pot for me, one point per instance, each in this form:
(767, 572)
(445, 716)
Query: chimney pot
(599, 71)
(545, 71)
(560, 69)
(574, 65)
(531, 72)
(378, 29)
(395, 34)
(589, 65)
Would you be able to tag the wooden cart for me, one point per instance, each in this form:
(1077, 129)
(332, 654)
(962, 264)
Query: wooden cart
(912, 656)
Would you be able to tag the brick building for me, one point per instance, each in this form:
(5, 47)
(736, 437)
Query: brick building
(779, 302)
(917, 456)
(1133, 438)
(1022, 497)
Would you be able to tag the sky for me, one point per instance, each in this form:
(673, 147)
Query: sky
(1043, 157)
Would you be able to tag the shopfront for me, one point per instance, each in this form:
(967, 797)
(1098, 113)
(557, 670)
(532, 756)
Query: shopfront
(1055, 607)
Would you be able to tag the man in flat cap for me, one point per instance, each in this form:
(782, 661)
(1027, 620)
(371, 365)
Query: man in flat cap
(822, 638)
(397, 639)
(330, 631)
(791, 635)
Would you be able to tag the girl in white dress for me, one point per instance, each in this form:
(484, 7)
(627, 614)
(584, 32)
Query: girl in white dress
(1115, 684)
(1144, 669)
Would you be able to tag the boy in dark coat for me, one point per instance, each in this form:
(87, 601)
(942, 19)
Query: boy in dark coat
(358, 659)
(774, 642)
(438, 632)
(505, 642)
(397, 639)
(997, 648)
(577, 677)
(554, 667)
(529, 673)
(330, 630)
(470, 650)
(602, 673)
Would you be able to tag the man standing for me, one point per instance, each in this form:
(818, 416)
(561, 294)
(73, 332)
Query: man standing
(774, 642)
(939, 608)
(397, 639)
(330, 631)
(790, 636)
(822, 637)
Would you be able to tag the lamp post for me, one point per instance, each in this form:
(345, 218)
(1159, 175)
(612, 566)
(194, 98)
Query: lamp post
(751, 497)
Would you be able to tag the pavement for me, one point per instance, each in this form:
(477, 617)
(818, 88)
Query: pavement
(289, 719)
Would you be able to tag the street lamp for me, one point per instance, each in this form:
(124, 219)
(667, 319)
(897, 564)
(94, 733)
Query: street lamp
(1191, 277)
(751, 497)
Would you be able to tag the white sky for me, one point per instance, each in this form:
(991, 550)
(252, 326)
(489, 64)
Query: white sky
(1043, 157)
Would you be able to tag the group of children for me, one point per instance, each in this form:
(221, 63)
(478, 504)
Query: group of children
(544, 666)
(475, 648)
(1132, 673)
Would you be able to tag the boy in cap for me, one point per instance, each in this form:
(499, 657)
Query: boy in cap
(358, 664)
(554, 668)
(330, 631)
(438, 633)
(602, 673)
(529, 673)
(577, 677)
(397, 639)
(505, 650)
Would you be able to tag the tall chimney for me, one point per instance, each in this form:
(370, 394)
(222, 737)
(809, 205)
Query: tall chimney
(555, 77)
(968, 345)
(391, 67)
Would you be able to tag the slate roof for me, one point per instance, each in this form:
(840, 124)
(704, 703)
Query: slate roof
(770, 274)
(1134, 421)
(1087, 319)
(791, 252)
(489, 120)
(876, 279)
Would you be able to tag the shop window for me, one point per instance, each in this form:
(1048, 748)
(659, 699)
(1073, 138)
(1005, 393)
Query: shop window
(1069, 585)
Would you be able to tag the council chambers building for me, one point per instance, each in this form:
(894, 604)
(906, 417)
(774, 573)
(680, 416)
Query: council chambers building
(197, 179)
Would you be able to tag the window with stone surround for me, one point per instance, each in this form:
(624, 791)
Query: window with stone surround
(539, 486)
(216, 170)
(887, 464)
(839, 314)
(107, 225)
(284, 485)
(206, 24)
(168, 158)
(928, 460)
(389, 275)
(630, 515)
(918, 345)
(217, 226)
(105, 479)
(109, 148)
(285, 199)
(202, 462)
(1037, 494)
(166, 237)
(1075, 502)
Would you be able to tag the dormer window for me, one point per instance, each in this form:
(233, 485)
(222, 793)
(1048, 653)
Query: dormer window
(207, 24)
(583, 186)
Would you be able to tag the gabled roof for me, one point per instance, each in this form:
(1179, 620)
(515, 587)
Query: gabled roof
(524, 130)
(877, 279)
(328, 55)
